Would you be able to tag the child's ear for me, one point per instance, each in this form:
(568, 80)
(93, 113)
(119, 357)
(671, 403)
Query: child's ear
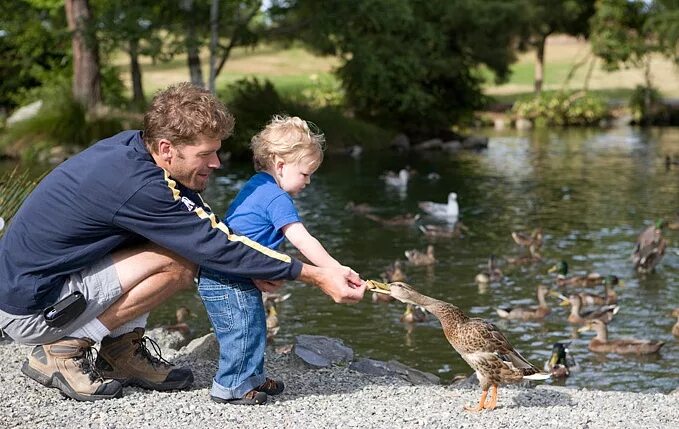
(278, 165)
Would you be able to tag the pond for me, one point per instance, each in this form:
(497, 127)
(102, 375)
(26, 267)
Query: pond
(591, 191)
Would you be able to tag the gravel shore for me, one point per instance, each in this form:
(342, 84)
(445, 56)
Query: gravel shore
(326, 398)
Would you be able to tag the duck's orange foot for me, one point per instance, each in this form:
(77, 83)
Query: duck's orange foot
(492, 403)
(478, 407)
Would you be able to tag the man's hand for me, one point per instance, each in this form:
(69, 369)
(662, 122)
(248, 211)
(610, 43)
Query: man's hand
(269, 286)
(342, 284)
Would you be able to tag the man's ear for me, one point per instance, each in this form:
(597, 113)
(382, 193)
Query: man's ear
(165, 149)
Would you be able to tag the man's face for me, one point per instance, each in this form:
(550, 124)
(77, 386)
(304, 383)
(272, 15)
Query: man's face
(191, 165)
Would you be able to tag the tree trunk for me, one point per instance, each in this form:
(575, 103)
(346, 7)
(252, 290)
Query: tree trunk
(214, 40)
(540, 64)
(86, 69)
(135, 72)
(192, 46)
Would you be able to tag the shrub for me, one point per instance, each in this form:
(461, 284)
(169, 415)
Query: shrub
(562, 108)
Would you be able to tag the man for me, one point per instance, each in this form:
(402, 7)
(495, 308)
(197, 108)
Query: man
(112, 233)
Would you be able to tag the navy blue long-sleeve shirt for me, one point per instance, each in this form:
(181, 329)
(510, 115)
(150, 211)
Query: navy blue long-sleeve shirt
(110, 195)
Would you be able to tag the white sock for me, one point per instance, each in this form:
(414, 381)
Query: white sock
(139, 322)
(94, 329)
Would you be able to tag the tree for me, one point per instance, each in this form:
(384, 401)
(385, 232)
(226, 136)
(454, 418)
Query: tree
(541, 18)
(34, 46)
(409, 64)
(86, 67)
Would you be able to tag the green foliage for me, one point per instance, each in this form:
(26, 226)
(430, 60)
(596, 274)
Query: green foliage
(411, 64)
(324, 92)
(61, 121)
(14, 187)
(562, 108)
(253, 103)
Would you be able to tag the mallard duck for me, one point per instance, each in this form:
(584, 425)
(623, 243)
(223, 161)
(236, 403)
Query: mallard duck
(650, 248)
(393, 273)
(563, 280)
(601, 344)
(532, 241)
(399, 220)
(418, 258)
(182, 316)
(412, 314)
(609, 297)
(443, 231)
(480, 343)
(449, 211)
(528, 313)
(604, 313)
(361, 208)
(675, 328)
(561, 363)
(399, 180)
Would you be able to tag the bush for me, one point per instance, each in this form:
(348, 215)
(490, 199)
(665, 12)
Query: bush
(562, 108)
(646, 106)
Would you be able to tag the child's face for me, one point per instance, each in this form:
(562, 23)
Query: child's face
(293, 177)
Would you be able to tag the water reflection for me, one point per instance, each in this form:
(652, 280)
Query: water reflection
(590, 191)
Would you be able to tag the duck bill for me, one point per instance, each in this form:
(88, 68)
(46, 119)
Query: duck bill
(585, 328)
(564, 300)
(377, 287)
(553, 269)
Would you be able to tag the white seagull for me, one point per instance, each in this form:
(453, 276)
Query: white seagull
(448, 211)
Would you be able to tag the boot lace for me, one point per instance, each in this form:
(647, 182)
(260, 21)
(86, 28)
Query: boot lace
(86, 363)
(147, 354)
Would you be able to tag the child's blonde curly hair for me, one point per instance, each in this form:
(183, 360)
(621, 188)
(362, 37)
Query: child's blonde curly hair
(290, 138)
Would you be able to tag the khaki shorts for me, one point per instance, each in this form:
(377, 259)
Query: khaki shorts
(100, 286)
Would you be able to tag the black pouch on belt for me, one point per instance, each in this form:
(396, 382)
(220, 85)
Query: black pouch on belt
(65, 310)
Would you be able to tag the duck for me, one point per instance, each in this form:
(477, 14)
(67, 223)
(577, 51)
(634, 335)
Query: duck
(449, 211)
(561, 363)
(418, 258)
(412, 314)
(601, 344)
(532, 241)
(479, 342)
(393, 273)
(604, 313)
(675, 328)
(563, 280)
(399, 220)
(609, 297)
(492, 273)
(399, 180)
(361, 208)
(649, 248)
(528, 313)
(182, 316)
(443, 231)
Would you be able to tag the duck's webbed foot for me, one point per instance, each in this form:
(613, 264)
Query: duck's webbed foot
(479, 407)
(492, 403)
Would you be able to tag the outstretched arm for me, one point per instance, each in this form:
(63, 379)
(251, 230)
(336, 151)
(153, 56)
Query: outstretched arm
(341, 284)
(310, 247)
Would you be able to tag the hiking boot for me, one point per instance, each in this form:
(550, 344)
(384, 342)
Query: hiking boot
(127, 359)
(68, 365)
(271, 387)
(253, 397)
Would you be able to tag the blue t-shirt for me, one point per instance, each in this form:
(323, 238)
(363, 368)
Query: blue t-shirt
(261, 209)
(258, 212)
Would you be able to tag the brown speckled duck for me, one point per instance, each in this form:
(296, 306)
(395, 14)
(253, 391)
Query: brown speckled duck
(577, 316)
(600, 343)
(650, 248)
(416, 257)
(528, 313)
(609, 297)
(398, 220)
(564, 280)
(532, 241)
(480, 343)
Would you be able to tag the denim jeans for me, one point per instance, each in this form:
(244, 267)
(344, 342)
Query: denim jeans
(239, 321)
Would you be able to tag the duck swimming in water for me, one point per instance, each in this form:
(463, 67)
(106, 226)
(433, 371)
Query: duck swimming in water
(480, 343)
(601, 344)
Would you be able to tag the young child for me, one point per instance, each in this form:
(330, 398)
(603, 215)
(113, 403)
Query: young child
(286, 153)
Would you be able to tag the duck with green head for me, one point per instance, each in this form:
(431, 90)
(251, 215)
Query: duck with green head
(564, 280)
(561, 363)
(480, 343)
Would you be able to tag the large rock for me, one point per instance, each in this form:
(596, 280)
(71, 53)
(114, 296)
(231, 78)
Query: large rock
(394, 369)
(25, 112)
(321, 352)
(203, 348)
